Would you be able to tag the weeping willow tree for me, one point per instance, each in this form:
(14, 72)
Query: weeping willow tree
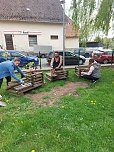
(91, 16)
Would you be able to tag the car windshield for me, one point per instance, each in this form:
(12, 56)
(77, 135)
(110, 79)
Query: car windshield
(76, 51)
(16, 54)
(61, 53)
(50, 53)
(97, 54)
(22, 54)
(108, 53)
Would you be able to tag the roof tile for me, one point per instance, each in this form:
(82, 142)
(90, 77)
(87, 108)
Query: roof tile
(31, 10)
(70, 31)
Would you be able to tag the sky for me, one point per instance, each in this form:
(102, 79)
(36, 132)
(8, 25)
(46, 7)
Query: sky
(68, 3)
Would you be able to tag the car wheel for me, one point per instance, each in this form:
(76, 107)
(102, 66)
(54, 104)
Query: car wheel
(105, 61)
(43, 56)
(81, 62)
(86, 55)
(48, 62)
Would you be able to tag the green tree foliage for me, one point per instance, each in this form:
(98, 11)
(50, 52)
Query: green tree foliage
(108, 42)
(92, 16)
(98, 39)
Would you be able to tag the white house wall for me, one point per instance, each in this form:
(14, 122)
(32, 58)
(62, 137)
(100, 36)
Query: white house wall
(72, 43)
(21, 30)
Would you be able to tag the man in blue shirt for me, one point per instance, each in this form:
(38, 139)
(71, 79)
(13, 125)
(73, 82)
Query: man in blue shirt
(7, 70)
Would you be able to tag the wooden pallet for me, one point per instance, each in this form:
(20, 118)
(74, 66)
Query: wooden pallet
(33, 80)
(60, 74)
(78, 71)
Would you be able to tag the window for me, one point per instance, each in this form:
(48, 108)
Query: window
(110, 53)
(54, 37)
(15, 54)
(68, 54)
(32, 40)
(61, 53)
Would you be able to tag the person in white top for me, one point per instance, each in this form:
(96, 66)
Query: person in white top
(94, 71)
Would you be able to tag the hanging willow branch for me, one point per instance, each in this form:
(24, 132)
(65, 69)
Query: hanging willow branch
(92, 15)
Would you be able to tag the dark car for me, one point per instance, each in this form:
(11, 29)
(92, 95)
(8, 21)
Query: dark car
(70, 58)
(104, 56)
(84, 52)
(11, 54)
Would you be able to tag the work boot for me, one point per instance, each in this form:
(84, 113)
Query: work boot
(2, 104)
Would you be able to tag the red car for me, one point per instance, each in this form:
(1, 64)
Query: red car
(104, 56)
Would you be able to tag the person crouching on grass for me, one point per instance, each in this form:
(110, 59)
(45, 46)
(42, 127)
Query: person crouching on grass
(7, 70)
(56, 62)
(94, 71)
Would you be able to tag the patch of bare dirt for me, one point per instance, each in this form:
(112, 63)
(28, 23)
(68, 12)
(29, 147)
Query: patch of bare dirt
(49, 98)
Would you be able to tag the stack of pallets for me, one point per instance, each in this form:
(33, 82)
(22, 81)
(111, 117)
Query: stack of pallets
(60, 74)
(33, 80)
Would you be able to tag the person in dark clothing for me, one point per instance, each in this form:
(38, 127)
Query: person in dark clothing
(94, 71)
(56, 62)
(7, 70)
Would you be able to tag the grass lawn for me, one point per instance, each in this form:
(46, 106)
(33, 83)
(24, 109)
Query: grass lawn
(75, 124)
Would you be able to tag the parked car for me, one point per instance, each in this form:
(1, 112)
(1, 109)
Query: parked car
(70, 58)
(84, 52)
(104, 56)
(11, 54)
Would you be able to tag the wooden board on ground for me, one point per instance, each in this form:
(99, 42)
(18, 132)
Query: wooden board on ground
(60, 74)
(34, 80)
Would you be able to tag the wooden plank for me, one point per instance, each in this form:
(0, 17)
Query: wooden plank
(61, 74)
(11, 85)
(36, 80)
(28, 89)
(15, 83)
(29, 86)
(50, 79)
(15, 92)
(33, 71)
(21, 87)
(37, 77)
(49, 74)
(59, 69)
(38, 84)
(22, 91)
(63, 78)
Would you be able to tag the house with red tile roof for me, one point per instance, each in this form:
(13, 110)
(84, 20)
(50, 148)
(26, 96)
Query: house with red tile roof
(72, 35)
(25, 24)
